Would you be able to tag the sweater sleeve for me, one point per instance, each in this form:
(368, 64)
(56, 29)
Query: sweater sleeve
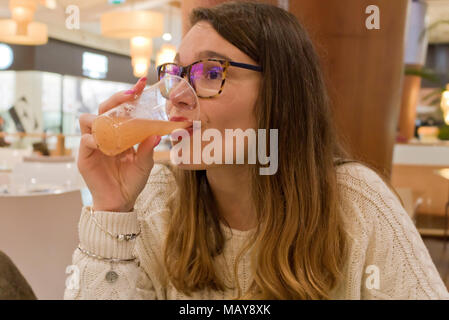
(388, 256)
(92, 278)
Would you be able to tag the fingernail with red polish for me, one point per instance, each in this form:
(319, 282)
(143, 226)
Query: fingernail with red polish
(130, 92)
(143, 79)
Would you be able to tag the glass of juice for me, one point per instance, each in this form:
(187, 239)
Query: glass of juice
(170, 104)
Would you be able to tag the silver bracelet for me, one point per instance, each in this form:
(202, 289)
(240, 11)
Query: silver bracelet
(111, 276)
(103, 258)
(120, 237)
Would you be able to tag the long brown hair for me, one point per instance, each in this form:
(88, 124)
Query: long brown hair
(300, 228)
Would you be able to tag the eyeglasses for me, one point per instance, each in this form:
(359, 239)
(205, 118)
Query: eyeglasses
(207, 77)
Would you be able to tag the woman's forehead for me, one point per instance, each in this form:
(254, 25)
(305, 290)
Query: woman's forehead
(202, 41)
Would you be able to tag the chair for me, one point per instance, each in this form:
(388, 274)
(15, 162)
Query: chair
(39, 233)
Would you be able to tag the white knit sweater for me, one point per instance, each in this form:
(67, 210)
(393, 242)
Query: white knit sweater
(384, 245)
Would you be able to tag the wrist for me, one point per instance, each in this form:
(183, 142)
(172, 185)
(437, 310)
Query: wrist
(108, 234)
(112, 208)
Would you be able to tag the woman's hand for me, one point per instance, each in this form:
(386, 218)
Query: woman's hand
(115, 182)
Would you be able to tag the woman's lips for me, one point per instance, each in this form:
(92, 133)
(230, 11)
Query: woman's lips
(183, 119)
(178, 119)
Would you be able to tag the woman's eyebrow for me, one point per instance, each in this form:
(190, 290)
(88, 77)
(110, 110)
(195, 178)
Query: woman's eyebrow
(204, 55)
(212, 54)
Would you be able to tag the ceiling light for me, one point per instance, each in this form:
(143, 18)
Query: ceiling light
(140, 66)
(128, 24)
(22, 10)
(166, 54)
(167, 36)
(139, 26)
(21, 29)
(50, 4)
(35, 33)
(141, 47)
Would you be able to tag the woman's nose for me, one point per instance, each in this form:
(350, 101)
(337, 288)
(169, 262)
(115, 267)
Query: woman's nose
(182, 96)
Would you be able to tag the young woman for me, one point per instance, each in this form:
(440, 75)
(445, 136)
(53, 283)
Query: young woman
(319, 228)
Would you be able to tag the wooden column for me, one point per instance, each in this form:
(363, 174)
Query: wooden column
(416, 44)
(364, 70)
(409, 102)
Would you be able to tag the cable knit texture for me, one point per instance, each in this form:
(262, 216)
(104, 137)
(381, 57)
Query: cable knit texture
(384, 245)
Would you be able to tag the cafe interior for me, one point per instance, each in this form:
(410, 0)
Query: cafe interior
(389, 86)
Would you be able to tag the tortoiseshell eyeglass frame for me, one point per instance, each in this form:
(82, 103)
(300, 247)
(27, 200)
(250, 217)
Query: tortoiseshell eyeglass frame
(185, 71)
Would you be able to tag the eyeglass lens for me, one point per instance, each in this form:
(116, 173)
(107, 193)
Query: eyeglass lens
(205, 77)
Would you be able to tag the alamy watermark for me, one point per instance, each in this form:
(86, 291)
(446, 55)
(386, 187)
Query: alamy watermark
(373, 20)
(373, 279)
(73, 19)
(73, 281)
(213, 151)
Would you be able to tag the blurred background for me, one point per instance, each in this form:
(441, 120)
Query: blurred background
(73, 66)
(62, 58)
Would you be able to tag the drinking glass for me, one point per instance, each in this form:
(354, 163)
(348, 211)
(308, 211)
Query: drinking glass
(170, 104)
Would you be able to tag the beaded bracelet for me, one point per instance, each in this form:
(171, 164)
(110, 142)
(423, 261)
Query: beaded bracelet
(115, 260)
